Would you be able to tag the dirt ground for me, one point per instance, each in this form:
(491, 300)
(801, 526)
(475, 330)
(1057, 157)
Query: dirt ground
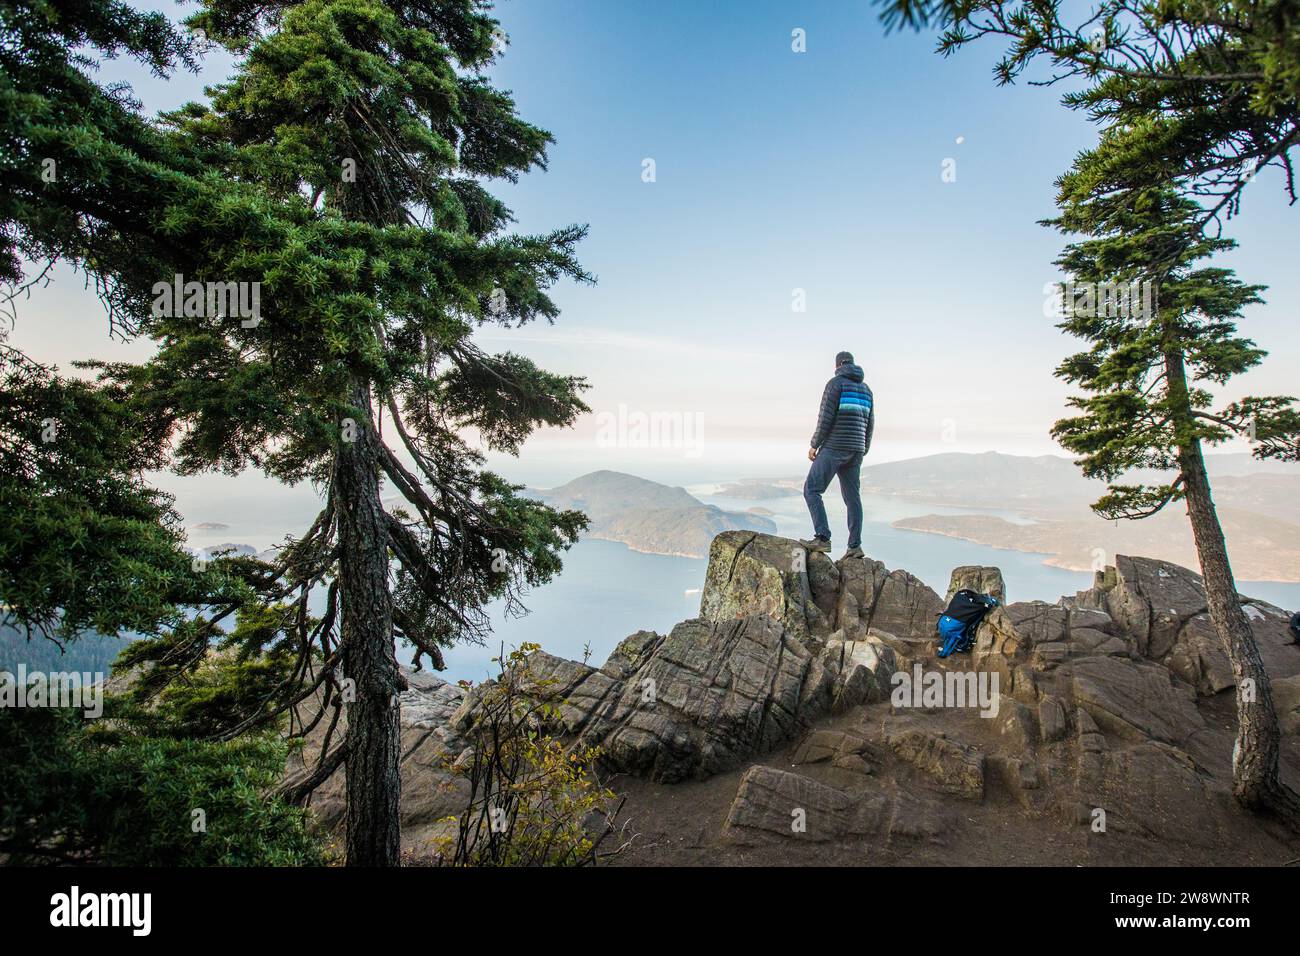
(682, 824)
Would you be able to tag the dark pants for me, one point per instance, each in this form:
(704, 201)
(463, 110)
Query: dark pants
(829, 463)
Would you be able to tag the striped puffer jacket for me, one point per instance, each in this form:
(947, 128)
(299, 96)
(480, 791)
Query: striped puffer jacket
(847, 418)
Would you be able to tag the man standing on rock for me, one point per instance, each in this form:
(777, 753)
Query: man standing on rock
(843, 436)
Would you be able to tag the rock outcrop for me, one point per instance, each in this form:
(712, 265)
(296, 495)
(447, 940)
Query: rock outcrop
(703, 698)
(980, 579)
(954, 767)
(1161, 607)
(777, 646)
(1112, 705)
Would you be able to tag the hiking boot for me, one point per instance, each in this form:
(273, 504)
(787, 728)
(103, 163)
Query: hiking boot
(853, 553)
(816, 544)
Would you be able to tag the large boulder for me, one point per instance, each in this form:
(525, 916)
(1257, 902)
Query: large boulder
(707, 695)
(845, 750)
(751, 573)
(1158, 792)
(953, 767)
(777, 803)
(978, 578)
(893, 607)
(904, 606)
(1161, 607)
(1135, 700)
(777, 806)
(855, 672)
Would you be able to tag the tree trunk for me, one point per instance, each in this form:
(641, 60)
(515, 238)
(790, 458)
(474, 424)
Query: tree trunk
(369, 658)
(1256, 783)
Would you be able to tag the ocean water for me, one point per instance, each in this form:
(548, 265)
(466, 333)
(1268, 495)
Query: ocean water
(607, 591)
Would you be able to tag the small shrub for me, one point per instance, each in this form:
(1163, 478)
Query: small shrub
(534, 801)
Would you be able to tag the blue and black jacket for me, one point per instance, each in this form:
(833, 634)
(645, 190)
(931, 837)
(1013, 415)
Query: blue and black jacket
(847, 418)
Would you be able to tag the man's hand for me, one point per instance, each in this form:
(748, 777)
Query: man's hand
(812, 454)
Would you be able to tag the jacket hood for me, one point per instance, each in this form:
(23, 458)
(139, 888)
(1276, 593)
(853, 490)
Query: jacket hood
(850, 371)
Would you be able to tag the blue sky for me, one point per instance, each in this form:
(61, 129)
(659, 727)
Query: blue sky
(779, 171)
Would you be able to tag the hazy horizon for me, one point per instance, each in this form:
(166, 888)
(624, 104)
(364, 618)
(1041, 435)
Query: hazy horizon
(794, 180)
(793, 177)
(200, 498)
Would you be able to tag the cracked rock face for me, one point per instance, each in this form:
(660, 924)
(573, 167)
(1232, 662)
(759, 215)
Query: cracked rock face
(772, 805)
(954, 767)
(1160, 607)
(710, 694)
(785, 639)
(775, 803)
(1136, 700)
(1101, 703)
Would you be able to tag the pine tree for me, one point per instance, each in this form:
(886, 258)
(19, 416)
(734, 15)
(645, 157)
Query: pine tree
(1147, 405)
(376, 117)
(86, 544)
(86, 180)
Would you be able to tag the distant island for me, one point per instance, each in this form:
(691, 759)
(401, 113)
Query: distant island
(232, 549)
(1259, 504)
(1263, 548)
(761, 489)
(647, 516)
(1260, 511)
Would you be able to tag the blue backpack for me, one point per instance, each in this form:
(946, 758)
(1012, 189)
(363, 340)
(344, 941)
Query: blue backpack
(957, 624)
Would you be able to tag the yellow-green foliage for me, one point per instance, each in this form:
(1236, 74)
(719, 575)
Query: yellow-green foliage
(534, 800)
